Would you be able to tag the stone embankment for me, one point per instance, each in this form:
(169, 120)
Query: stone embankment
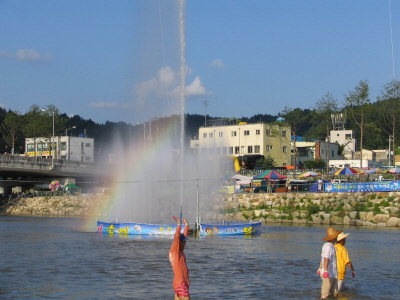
(360, 209)
(92, 205)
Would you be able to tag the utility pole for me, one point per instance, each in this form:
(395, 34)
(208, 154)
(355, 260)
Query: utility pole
(205, 103)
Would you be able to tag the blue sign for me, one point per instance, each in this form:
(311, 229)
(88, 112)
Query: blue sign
(376, 186)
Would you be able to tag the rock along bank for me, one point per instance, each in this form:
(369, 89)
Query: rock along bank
(359, 209)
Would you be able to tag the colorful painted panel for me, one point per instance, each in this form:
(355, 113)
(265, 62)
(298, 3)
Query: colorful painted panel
(238, 229)
(135, 229)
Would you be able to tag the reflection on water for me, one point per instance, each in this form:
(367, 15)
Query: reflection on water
(52, 258)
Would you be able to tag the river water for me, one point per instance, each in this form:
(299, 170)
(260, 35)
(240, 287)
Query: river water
(64, 258)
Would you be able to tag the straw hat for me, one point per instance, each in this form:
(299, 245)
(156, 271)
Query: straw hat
(331, 233)
(342, 236)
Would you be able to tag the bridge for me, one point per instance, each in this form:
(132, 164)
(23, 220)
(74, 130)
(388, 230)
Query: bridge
(21, 170)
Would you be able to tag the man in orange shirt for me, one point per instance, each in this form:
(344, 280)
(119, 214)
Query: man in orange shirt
(181, 283)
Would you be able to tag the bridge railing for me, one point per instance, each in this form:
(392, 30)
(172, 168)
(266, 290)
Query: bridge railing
(41, 160)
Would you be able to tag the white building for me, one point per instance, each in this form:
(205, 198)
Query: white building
(345, 138)
(245, 140)
(355, 163)
(314, 149)
(65, 147)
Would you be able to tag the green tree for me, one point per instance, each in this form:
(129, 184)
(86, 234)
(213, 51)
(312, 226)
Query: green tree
(323, 109)
(388, 105)
(11, 128)
(357, 103)
(266, 162)
(315, 164)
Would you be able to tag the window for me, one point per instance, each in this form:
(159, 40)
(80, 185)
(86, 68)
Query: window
(242, 150)
(210, 135)
(284, 149)
(348, 136)
(283, 133)
(224, 150)
(63, 146)
(205, 135)
(249, 149)
(233, 133)
(88, 145)
(302, 152)
(230, 149)
(268, 131)
(246, 132)
(30, 147)
(87, 158)
(257, 131)
(220, 134)
(333, 153)
(257, 149)
(268, 148)
(236, 150)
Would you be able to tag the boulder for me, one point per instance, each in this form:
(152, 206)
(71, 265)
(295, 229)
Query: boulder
(368, 224)
(370, 216)
(336, 220)
(353, 214)
(363, 215)
(347, 207)
(346, 220)
(316, 220)
(393, 222)
(381, 218)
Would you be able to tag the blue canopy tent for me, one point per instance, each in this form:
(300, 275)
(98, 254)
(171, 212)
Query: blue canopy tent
(314, 186)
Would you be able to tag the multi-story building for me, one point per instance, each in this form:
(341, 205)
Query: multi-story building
(63, 147)
(314, 149)
(345, 138)
(244, 139)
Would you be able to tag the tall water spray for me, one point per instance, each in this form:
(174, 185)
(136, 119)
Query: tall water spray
(183, 84)
(156, 176)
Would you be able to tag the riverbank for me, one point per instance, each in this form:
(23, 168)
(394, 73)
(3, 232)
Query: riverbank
(90, 205)
(358, 209)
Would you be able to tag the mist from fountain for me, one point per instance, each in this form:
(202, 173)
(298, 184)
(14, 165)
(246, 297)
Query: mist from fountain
(156, 176)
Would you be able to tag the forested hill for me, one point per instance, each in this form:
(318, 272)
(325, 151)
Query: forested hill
(373, 122)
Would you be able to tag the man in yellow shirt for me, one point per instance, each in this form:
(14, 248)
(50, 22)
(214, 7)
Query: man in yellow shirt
(343, 260)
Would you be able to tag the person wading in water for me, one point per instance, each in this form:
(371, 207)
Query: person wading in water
(180, 283)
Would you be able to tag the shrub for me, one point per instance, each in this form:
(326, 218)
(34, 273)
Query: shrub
(377, 210)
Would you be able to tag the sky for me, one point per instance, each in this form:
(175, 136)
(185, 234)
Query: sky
(122, 60)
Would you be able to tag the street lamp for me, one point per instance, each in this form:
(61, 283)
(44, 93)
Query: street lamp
(68, 147)
(51, 142)
(66, 130)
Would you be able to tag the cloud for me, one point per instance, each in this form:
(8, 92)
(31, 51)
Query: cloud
(195, 89)
(218, 63)
(167, 84)
(30, 55)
